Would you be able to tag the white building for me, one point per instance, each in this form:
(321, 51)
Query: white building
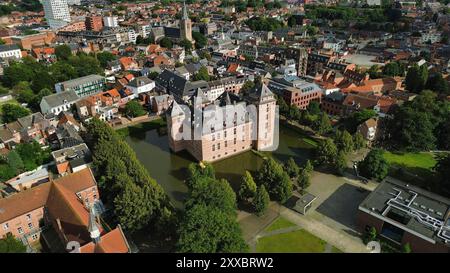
(59, 102)
(56, 12)
(110, 21)
(132, 36)
(141, 85)
(374, 2)
(10, 51)
(334, 44)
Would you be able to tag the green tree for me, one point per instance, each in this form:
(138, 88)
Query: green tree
(63, 71)
(166, 43)
(358, 141)
(344, 141)
(200, 40)
(85, 65)
(416, 78)
(134, 109)
(392, 69)
(341, 163)
(326, 152)
(205, 229)
(202, 74)
(374, 165)
(213, 193)
(15, 162)
(11, 112)
(406, 248)
(437, 84)
(153, 75)
(136, 198)
(9, 244)
(442, 168)
(275, 179)
(104, 57)
(15, 73)
(63, 52)
(370, 235)
(248, 187)
(304, 178)
(322, 125)
(314, 108)
(36, 101)
(291, 168)
(261, 201)
(186, 44)
(130, 206)
(198, 171)
(247, 86)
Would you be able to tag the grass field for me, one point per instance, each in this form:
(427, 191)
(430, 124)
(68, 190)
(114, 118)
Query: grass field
(280, 223)
(415, 168)
(299, 241)
(141, 127)
(411, 160)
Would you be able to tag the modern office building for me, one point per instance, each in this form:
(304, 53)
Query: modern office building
(403, 213)
(56, 12)
(84, 86)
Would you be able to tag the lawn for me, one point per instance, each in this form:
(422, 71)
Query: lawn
(299, 241)
(415, 168)
(141, 127)
(280, 223)
(411, 160)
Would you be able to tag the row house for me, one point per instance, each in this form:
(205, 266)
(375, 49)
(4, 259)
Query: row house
(30, 128)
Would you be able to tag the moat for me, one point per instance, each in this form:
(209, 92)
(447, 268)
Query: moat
(170, 169)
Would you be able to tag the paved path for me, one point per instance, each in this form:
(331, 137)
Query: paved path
(334, 237)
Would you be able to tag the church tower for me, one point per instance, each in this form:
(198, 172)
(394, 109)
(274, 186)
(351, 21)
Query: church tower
(185, 25)
(93, 227)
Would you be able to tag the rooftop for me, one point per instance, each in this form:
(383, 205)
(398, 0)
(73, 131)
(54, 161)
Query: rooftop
(423, 213)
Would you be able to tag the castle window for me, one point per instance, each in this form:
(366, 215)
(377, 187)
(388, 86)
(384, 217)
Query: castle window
(30, 225)
(34, 237)
(20, 230)
(29, 216)
(213, 147)
(218, 146)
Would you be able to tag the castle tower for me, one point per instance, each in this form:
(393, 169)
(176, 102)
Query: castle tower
(175, 119)
(185, 25)
(266, 104)
(92, 227)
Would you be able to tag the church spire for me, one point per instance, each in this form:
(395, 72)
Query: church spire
(185, 13)
(93, 227)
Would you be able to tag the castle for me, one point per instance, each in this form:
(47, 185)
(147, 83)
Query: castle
(231, 124)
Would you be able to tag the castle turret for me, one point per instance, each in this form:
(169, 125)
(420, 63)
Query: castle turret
(265, 102)
(175, 119)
